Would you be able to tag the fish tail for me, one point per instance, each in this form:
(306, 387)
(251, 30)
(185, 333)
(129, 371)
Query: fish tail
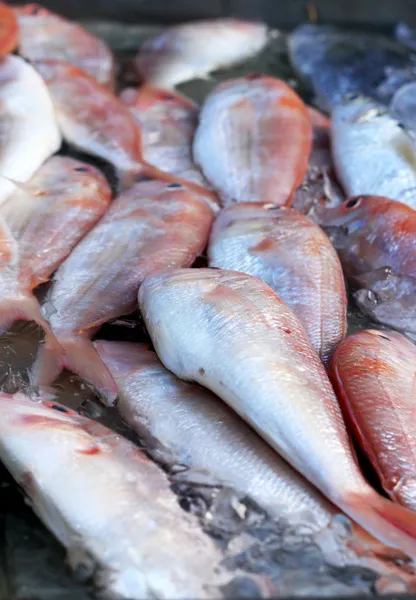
(391, 523)
(80, 357)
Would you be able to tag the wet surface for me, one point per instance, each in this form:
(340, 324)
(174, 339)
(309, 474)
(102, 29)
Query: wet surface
(269, 558)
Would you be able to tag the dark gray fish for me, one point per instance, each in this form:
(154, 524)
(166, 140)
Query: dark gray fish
(403, 105)
(336, 63)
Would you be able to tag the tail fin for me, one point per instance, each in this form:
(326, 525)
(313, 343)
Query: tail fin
(80, 357)
(391, 523)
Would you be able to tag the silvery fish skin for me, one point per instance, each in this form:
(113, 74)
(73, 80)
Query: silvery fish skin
(253, 140)
(9, 29)
(403, 105)
(167, 122)
(47, 217)
(376, 241)
(152, 226)
(45, 35)
(187, 425)
(319, 188)
(337, 63)
(29, 131)
(230, 332)
(294, 256)
(374, 375)
(129, 522)
(192, 50)
(373, 153)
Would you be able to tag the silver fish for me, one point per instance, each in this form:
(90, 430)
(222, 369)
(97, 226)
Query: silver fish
(403, 105)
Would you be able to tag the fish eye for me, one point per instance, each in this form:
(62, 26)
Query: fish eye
(254, 76)
(174, 186)
(353, 203)
(272, 207)
(57, 407)
(81, 169)
(168, 97)
(384, 337)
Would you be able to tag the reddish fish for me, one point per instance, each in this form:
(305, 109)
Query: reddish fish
(376, 240)
(167, 122)
(294, 256)
(9, 30)
(45, 35)
(150, 227)
(374, 374)
(253, 140)
(230, 333)
(95, 121)
(191, 50)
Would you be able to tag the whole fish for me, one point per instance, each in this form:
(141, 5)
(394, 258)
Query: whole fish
(45, 35)
(376, 241)
(373, 153)
(336, 63)
(192, 50)
(47, 218)
(230, 332)
(167, 123)
(9, 30)
(95, 121)
(373, 373)
(292, 255)
(403, 105)
(320, 188)
(253, 140)
(152, 226)
(187, 425)
(129, 523)
(29, 132)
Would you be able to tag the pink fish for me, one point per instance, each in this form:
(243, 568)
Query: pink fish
(9, 29)
(45, 35)
(294, 256)
(253, 140)
(191, 50)
(152, 226)
(374, 374)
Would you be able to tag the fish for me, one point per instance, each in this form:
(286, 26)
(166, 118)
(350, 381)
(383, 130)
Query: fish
(184, 424)
(373, 373)
(29, 132)
(47, 217)
(320, 187)
(294, 257)
(231, 333)
(167, 122)
(129, 531)
(253, 140)
(405, 35)
(403, 106)
(44, 35)
(152, 226)
(373, 153)
(9, 30)
(375, 238)
(336, 63)
(195, 49)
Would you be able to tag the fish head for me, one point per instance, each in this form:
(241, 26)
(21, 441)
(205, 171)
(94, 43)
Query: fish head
(248, 216)
(351, 215)
(355, 108)
(20, 412)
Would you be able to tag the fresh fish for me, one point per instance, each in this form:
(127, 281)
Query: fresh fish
(403, 105)
(9, 30)
(192, 50)
(376, 241)
(406, 35)
(152, 226)
(374, 376)
(230, 332)
(336, 63)
(253, 140)
(292, 255)
(47, 218)
(186, 425)
(93, 120)
(167, 122)
(29, 132)
(373, 153)
(320, 188)
(107, 503)
(45, 35)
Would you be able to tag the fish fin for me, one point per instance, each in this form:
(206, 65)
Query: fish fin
(391, 523)
(80, 357)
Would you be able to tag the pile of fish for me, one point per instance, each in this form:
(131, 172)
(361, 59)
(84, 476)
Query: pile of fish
(250, 379)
